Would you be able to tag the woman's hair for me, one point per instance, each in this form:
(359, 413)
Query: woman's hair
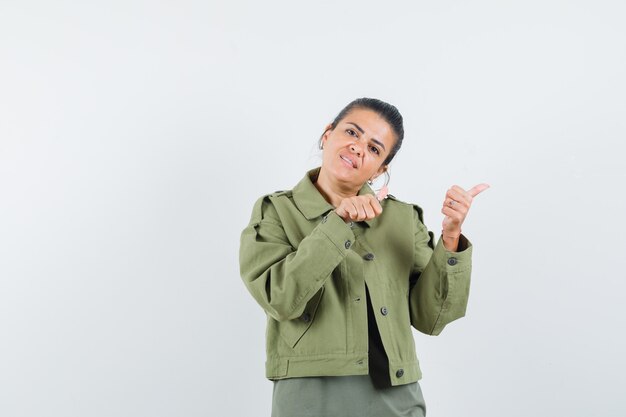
(385, 110)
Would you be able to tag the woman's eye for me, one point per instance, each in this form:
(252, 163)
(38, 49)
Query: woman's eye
(375, 150)
(351, 132)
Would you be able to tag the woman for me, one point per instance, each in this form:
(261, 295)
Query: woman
(343, 274)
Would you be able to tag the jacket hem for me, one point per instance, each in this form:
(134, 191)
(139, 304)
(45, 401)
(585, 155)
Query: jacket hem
(282, 368)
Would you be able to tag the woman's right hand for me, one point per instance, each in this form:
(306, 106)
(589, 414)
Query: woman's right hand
(361, 207)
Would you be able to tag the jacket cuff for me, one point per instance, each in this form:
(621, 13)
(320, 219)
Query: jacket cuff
(453, 262)
(337, 231)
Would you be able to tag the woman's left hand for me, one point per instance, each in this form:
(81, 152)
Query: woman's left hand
(456, 205)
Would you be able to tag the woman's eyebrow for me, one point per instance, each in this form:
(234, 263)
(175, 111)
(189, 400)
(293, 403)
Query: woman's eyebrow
(379, 143)
(357, 126)
(376, 141)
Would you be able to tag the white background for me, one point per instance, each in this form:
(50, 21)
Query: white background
(135, 137)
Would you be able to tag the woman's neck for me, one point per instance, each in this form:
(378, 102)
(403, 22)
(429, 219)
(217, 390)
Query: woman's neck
(332, 191)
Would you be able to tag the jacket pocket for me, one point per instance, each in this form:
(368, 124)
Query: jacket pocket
(293, 330)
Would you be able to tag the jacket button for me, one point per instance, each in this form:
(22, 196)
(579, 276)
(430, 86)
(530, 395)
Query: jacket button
(384, 311)
(452, 261)
(306, 317)
(369, 256)
(348, 244)
(399, 373)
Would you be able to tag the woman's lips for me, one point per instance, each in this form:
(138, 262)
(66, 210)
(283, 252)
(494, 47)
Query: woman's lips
(347, 161)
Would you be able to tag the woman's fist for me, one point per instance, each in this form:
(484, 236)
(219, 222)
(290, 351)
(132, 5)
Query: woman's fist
(361, 207)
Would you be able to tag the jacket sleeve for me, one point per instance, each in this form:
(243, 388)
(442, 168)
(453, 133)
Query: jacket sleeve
(280, 277)
(440, 280)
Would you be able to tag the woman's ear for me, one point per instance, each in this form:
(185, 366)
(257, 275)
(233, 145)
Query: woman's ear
(380, 171)
(324, 138)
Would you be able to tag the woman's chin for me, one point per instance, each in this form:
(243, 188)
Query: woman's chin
(348, 177)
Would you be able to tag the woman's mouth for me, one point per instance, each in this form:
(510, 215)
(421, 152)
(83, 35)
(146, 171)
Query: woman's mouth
(348, 161)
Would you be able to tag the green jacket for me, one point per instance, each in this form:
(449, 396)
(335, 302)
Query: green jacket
(307, 268)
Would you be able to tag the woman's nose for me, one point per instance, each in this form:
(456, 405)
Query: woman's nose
(356, 149)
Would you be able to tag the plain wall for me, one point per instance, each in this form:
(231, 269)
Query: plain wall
(135, 137)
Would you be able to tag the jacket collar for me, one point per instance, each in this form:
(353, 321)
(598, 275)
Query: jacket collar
(312, 204)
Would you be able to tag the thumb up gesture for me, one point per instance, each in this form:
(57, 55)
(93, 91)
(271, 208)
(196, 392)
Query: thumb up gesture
(456, 205)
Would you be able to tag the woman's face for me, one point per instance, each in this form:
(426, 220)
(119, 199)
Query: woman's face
(354, 151)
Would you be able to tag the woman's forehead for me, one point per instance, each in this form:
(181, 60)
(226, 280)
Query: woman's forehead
(370, 123)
